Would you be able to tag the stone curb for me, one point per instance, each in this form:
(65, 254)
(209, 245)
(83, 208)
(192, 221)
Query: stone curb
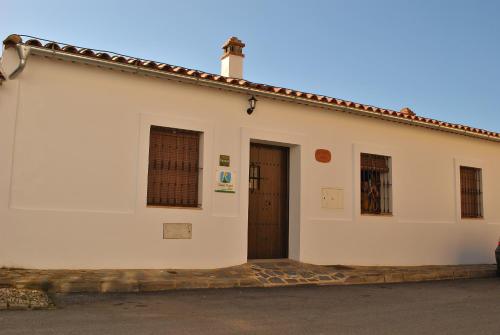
(126, 285)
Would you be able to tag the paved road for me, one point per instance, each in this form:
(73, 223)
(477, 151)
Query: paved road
(451, 307)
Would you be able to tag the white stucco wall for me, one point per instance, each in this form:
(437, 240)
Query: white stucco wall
(73, 177)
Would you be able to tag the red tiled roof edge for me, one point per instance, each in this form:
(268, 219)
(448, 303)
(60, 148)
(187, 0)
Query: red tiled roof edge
(404, 114)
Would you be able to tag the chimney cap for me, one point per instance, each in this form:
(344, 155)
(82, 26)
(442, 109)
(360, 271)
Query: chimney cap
(233, 46)
(233, 40)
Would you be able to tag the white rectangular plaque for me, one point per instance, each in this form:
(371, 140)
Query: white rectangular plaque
(332, 198)
(177, 230)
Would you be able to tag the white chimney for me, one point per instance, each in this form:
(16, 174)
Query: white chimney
(232, 59)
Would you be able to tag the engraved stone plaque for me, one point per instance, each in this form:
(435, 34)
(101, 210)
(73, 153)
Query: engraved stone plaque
(177, 230)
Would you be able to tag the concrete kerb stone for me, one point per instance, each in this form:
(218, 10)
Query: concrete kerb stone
(82, 286)
(250, 282)
(156, 285)
(191, 284)
(365, 279)
(483, 273)
(418, 276)
(461, 274)
(394, 277)
(224, 283)
(122, 286)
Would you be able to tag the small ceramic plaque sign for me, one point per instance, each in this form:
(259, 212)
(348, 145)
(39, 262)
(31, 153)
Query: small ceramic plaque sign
(225, 180)
(224, 160)
(323, 155)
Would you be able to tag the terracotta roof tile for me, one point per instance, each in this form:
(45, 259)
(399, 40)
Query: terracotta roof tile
(103, 55)
(70, 48)
(404, 113)
(52, 45)
(86, 52)
(35, 43)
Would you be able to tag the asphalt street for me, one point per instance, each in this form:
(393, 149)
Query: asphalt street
(447, 307)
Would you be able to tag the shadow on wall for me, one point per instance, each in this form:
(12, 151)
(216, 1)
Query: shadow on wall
(472, 249)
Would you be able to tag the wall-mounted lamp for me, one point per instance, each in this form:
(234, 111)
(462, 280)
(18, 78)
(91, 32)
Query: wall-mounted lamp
(251, 102)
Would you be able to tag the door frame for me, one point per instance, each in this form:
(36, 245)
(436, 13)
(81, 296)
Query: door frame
(285, 210)
(295, 142)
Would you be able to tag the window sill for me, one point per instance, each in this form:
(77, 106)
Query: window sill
(378, 215)
(174, 207)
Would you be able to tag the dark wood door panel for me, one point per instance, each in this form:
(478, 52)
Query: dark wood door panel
(268, 202)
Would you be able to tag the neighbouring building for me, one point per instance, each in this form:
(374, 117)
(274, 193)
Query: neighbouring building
(109, 161)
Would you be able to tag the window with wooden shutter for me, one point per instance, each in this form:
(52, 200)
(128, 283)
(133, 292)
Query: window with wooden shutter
(173, 171)
(376, 187)
(471, 192)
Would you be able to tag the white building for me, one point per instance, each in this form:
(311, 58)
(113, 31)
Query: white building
(114, 162)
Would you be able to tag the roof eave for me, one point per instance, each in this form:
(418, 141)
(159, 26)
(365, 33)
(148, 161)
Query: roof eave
(52, 53)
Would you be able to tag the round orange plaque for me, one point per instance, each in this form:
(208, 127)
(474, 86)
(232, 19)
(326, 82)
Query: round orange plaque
(323, 155)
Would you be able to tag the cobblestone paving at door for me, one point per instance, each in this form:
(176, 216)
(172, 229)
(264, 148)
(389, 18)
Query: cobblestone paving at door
(261, 273)
(271, 273)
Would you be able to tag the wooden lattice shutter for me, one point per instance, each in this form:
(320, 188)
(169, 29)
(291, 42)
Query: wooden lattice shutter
(471, 192)
(173, 167)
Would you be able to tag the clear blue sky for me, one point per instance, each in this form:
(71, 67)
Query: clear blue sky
(440, 58)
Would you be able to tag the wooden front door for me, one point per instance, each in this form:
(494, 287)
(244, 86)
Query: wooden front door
(268, 202)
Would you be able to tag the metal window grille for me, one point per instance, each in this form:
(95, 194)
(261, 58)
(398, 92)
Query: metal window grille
(376, 187)
(471, 192)
(254, 177)
(173, 171)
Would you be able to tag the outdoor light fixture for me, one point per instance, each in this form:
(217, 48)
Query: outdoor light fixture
(251, 102)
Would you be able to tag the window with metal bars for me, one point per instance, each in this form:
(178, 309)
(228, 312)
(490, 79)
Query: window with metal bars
(376, 187)
(471, 192)
(173, 171)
